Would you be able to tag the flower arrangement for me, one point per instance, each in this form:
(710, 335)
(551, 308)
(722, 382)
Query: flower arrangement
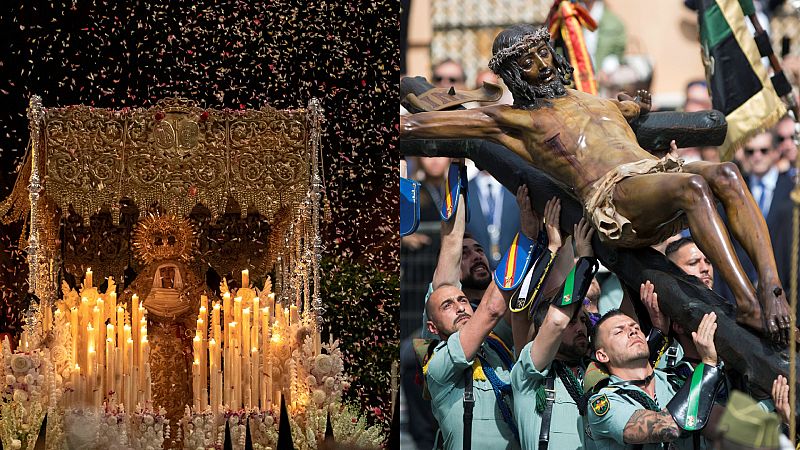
(29, 387)
(149, 428)
(349, 427)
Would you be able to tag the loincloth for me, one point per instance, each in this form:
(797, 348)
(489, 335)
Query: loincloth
(615, 228)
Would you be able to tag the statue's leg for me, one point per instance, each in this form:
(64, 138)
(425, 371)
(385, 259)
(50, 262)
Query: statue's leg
(749, 228)
(653, 200)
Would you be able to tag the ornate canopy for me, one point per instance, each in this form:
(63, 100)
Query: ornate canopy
(182, 157)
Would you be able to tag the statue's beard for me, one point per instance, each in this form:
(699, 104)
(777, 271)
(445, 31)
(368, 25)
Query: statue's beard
(527, 94)
(551, 89)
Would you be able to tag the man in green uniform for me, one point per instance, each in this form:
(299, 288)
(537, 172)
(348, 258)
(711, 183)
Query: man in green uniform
(469, 358)
(546, 378)
(462, 261)
(639, 408)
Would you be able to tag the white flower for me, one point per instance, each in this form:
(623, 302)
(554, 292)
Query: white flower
(323, 364)
(269, 421)
(329, 382)
(20, 395)
(29, 379)
(11, 379)
(148, 419)
(311, 380)
(59, 354)
(16, 443)
(318, 396)
(20, 363)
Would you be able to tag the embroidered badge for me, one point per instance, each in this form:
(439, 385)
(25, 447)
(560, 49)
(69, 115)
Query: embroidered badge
(600, 405)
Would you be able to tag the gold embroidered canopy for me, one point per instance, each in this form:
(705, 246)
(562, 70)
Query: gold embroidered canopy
(175, 153)
(179, 155)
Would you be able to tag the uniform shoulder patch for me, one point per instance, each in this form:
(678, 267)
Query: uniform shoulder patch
(601, 405)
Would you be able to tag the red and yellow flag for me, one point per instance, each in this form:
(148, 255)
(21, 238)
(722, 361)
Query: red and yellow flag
(569, 18)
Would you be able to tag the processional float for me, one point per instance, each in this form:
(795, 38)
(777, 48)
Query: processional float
(128, 336)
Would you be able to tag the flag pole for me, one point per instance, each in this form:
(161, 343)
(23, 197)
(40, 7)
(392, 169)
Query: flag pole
(784, 89)
(779, 81)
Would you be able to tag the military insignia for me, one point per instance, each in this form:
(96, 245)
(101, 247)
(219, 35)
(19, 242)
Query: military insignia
(567, 299)
(600, 405)
(690, 421)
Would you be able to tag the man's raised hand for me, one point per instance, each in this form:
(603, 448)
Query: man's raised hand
(649, 297)
(582, 233)
(704, 339)
(552, 213)
(530, 223)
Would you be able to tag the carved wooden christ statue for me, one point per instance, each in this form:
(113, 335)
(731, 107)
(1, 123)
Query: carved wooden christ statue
(170, 290)
(633, 198)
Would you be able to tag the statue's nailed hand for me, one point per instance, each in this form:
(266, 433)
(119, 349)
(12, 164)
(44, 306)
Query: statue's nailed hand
(644, 100)
(530, 223)
(704, 339)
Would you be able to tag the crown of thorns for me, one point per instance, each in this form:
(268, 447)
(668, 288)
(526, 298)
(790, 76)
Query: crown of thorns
(527, 41)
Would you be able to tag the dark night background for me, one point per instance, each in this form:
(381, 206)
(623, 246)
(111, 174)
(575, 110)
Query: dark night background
(236, 54)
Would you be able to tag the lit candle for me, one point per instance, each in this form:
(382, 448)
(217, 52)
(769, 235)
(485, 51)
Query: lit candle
(87, 282)
(129, 396)
(202, 360)
(271, 304)
(100, 339)
(128, 357)
(135, 318)
(245, 278)
(91, 355)
(212, 352)
(196, 384)
(145, 348)
(245, 346)
(227, 311)
(76, 381)
(235, 360)
(120, 325)
(112, 307)
(253, 390)
(215, 320)
(73, 328)
(119, 359)
(295, 317)
(109, 383)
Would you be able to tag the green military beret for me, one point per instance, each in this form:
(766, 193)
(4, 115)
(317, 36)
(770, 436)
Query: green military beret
(746, 423)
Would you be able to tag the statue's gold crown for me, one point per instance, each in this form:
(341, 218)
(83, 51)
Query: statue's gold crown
(162, 237)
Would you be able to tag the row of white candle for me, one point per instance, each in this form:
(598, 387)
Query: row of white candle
(233, 353)
(111, 364)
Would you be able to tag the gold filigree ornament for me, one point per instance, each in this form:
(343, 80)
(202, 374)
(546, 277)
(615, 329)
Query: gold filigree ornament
(163, 237)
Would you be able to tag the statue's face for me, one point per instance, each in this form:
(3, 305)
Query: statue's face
(537, 65)
(167, 277)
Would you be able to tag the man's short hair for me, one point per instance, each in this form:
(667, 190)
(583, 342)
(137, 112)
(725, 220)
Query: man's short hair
(674, 246)
(594, 333)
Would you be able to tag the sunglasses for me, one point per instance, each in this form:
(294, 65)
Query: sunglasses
(439, 79)
(750, 151)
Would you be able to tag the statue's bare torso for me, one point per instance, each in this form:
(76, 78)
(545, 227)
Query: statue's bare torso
(576, 138)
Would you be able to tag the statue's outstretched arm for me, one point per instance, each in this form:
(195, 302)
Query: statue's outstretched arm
(468, 123)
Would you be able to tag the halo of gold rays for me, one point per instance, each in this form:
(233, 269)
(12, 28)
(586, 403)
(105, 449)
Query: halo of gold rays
(161, 237)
